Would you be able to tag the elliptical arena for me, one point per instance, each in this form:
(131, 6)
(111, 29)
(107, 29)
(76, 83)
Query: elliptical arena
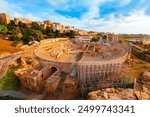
(64, 68)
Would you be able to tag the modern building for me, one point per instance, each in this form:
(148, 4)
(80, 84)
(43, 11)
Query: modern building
(83, 38)
(68, 28)
(4, 18)
(58, 26)
(82, 32)
(47, 23)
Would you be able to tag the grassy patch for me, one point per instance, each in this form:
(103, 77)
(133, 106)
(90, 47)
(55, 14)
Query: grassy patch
(16, 43)
(10, 81)
(138, 68)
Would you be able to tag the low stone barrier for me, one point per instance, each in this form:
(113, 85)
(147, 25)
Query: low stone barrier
(139, 55)
(12, 94)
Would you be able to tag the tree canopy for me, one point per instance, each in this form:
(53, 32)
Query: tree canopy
(24, 33)
(35, 26)
(3, 29)
(32, 35)
(71, 34)
(95, 38)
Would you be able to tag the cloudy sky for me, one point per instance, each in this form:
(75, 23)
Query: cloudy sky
(119, 16)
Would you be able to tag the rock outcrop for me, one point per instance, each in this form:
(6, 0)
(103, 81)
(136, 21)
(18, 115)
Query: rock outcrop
(29, 63)
(142, 88)
(141, 91)
(112, 94)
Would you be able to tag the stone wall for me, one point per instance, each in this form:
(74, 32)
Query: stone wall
(31, 79)
(89, 76)
(88, 73)
(61, 66)
(139, 54)
(52, 83)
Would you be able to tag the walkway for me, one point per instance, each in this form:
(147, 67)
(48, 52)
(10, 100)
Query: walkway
(5, 64)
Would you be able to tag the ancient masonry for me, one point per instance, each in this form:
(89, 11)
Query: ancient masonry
(91, 75)
(63, 67)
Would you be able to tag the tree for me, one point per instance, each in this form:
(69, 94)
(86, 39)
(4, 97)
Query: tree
(49, 32)
(31, 35)
(57, 33)
(11, 26)
(71, 34)
(95, 38)
(51, 35)
(3, 29)
(27, 36)
(15, 37)
(37, 35)
(22, 25)
(35, 26)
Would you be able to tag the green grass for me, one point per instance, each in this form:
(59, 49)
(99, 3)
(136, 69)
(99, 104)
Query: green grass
(10, 81)
(16, 43)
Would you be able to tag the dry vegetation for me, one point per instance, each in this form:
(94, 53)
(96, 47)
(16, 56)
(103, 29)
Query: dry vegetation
(5, 46)
(132, 70)
(137, 67)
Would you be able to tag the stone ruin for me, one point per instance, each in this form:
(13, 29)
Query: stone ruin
(46, 80)
(61, 69)
(139, 92)
(112, 94)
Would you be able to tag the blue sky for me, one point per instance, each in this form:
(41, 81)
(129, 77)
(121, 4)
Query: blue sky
(119, 16)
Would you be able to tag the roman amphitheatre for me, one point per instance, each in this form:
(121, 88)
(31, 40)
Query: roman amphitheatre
(65, 68)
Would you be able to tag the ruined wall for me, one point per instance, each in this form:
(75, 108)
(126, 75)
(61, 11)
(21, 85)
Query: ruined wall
(61, 66)
(90, 74)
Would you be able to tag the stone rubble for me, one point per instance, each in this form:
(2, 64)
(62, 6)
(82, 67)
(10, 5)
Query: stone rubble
(142, 88)
(141, 91)
(112, 94)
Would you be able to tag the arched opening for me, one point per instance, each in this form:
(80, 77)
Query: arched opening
(52, 70)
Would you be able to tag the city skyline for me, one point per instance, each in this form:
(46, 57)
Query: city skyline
(126, 16)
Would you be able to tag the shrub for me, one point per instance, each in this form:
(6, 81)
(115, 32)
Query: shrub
(10, 81)
(16, 43)
(3, 29)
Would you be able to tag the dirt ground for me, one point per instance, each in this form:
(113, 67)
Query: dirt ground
(5, 47)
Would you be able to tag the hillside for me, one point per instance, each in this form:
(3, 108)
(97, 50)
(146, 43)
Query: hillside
(5, 47)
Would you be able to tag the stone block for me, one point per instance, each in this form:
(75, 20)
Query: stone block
(70, 85)
(51, 84)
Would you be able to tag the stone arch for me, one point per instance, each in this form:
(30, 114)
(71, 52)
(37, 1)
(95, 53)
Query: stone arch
(53, 69)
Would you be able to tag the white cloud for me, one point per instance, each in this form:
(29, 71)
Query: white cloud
(125, 2)
(136, 22)
(65, 4)
(16, 11)
(4, 7)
